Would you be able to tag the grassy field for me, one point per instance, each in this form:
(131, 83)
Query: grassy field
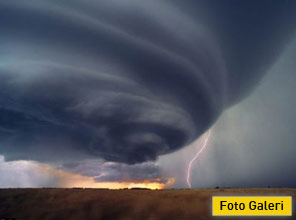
(30, 204)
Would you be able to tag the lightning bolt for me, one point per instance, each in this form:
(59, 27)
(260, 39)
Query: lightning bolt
(194, 158)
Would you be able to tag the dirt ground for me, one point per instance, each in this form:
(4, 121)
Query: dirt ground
(59, 204)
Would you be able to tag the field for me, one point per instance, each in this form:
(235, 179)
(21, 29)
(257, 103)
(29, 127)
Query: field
(30, 204)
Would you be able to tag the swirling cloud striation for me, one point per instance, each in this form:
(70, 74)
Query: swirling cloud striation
(128, 80)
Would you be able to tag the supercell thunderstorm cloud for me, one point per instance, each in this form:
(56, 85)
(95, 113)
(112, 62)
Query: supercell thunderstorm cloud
(126, 81)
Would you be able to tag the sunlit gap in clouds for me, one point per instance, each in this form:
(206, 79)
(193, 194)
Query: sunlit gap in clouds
(88, 182)
(70, 180)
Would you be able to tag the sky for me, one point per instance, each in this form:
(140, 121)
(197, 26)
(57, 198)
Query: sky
(118, 94)
(253, 143)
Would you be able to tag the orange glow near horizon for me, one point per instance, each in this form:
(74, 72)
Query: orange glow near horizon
(65, 179)
(88, 182)
(71, 180)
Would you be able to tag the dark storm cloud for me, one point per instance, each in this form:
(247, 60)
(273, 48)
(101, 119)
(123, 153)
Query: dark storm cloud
(116, 172)
(138, 172)
(127, 80)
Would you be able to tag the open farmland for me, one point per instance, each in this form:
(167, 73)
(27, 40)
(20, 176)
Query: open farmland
(117, 204)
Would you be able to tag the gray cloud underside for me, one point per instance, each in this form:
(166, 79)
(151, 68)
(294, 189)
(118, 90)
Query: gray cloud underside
(109, 171)
(128, 80)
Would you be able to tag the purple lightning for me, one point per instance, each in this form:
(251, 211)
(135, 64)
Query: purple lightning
(194, 158)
